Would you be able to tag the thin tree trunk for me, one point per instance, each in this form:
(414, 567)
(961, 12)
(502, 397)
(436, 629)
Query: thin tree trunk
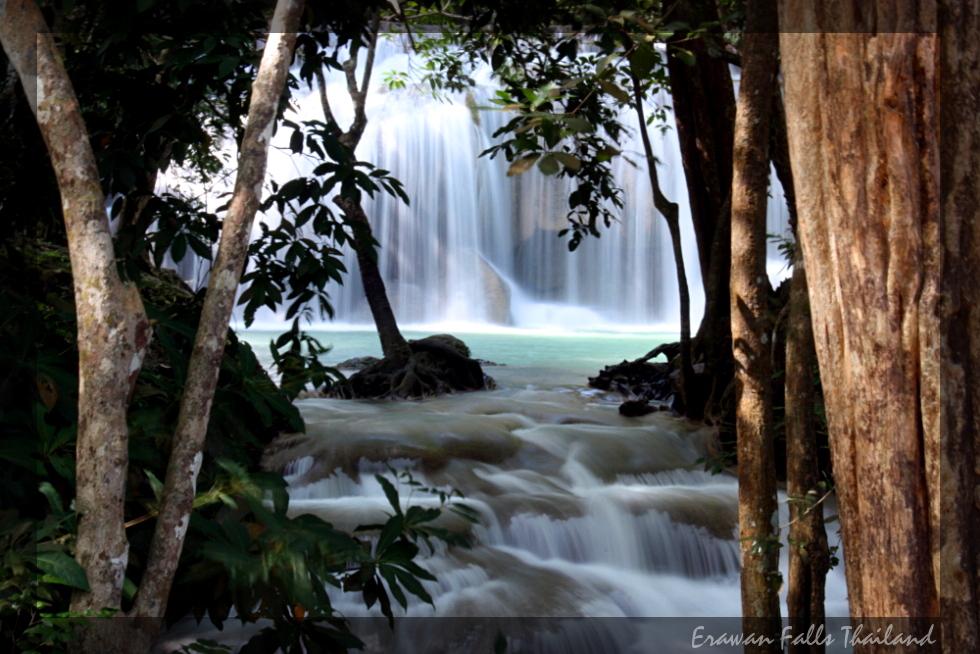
(750, 330)
(861, 106)
(669, 211)
(809, 557)
(704, 111)
(960, 315)
(113, 331)
(209, 343)
(394, 347)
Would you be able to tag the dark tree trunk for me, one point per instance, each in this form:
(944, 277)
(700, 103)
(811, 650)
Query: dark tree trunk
(394, 347)
(809, 556)
(751, 326)
(704, 112)
(960, 315)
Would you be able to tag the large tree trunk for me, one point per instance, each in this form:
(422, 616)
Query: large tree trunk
(113, 331)
(758, 517)
(862, 110)
(209, 343)
(960, 315)
(704, 112)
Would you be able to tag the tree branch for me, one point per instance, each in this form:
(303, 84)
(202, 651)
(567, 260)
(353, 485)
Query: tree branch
(209, 342)
(324, 102)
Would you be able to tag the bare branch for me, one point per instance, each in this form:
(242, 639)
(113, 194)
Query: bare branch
(372, 48)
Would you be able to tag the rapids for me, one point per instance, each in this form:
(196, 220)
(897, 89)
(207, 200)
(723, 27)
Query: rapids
(584, 514)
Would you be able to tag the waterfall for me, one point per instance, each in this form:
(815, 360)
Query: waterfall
(476, 247)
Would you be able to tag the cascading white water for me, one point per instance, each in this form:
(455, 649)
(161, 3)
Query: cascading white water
(585, 515)
(476, 246)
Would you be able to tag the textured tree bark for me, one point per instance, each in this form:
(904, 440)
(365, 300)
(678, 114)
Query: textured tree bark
(751, 324)
(809, 554)
(209, 343)
(960, 315)
(113, 331)
(862, 108)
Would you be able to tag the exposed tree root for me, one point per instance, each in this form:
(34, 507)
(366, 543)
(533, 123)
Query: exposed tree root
(434, 368)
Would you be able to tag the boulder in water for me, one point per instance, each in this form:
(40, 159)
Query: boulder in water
(439, 364)
(357, 363)
(443, 340)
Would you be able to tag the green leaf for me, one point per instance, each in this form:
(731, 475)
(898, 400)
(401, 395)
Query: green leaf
(158, 123)
(413, 585)
(614, 90)
(388, 572)
(685, 56)
(643, 60)
(579, 125)
(62, 568)
(296, 141)
(179, 247)
(549, 165)
(390, 493)
(227, 65)
(390, 532)
(20, 451)
(522, 165)
(155, 484)
(54, 499)
(568, 160)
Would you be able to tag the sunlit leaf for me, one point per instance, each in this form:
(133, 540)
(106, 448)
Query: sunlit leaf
(522, 165)
(568, 160)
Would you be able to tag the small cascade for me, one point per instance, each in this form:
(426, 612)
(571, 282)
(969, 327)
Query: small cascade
(583, 513)
(596, 532)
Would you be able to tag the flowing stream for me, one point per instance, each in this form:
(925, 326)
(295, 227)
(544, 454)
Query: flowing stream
(593, 527)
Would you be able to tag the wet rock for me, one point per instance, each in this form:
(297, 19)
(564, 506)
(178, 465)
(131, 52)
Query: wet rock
(357, 363)
(444, 340)
(635, 408)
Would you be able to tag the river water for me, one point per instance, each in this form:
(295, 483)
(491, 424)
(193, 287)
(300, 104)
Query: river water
(593, 527)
